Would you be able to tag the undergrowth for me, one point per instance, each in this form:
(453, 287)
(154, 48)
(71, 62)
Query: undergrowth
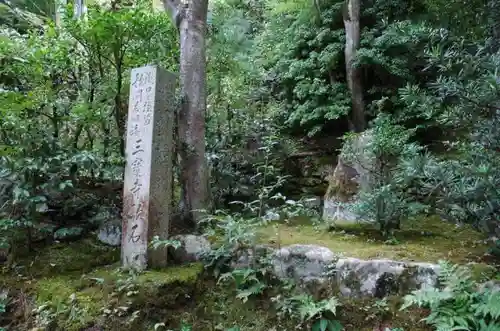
(458, 305)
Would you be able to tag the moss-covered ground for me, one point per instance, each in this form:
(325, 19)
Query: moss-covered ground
(82, 291)
(80, 287)
(425, 239)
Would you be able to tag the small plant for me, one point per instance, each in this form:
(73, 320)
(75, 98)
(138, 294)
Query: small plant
(379, 309)
(458, 305)
(4, 302)
(249, 282)
(319, 315)
(164, 243)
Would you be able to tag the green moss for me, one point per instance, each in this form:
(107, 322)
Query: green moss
(482, 271)
(185, 274)
(63, 258)
(426, 239)
(363, 315)
(70, 313)
(108, 288)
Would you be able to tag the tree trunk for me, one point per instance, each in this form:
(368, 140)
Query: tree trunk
(494, 25)
(60, 9)
(191, 21)
(351, 14)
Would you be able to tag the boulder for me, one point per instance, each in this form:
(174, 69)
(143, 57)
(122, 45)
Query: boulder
(109, 223)
(70, 233)
(313, 203)
(491, 285)
(312, 264)
(192, 248)
(303, 263)
(353, 173)
(379, 278)
(110, 233)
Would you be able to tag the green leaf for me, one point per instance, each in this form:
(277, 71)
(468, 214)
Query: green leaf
(335, 326)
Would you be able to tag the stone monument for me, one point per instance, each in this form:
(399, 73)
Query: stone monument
(147, 191)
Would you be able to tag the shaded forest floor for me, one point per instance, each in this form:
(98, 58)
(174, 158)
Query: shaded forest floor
(422, 240)
(78, 285)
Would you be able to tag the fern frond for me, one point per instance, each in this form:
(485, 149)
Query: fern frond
(426, 297)
(489, 306)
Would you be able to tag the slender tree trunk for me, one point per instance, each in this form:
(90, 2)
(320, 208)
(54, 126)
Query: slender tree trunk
(191, 20)
(60, 8)
(352, 12)
(494, 24)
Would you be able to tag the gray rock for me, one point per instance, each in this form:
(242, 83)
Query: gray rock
(379, 278)
(491, 285)
(192, 248)
(338, 212)
(271, 215)
(304, 263)
(71, 233)
(312, 202)
(110, 233)
(352, 174)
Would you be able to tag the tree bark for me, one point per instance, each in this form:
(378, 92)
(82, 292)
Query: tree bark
(60, 8)
(191, 20)
(351, 14)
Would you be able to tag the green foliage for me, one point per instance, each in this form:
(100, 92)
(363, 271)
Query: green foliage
(318, 315)
(249, 282)
(385, 198)
(459, 305)
(161, 243)
(462, 188)
(63, 104)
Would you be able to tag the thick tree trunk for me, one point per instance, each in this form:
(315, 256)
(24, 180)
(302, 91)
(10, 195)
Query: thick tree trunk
(352, 12)
(191, 21)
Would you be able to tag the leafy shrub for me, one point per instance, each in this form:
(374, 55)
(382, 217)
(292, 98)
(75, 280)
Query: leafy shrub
(459, 305)
(385, 199)
(462, 186)
(319, 315)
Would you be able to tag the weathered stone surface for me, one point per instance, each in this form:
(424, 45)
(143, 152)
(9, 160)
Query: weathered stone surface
(491, 285)
(313, 203)
(312, 264)
(303, 263)
(353, 172)
(70, 233)
(192, 248)
(110, 233)
(148, 171)
(379, 278)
